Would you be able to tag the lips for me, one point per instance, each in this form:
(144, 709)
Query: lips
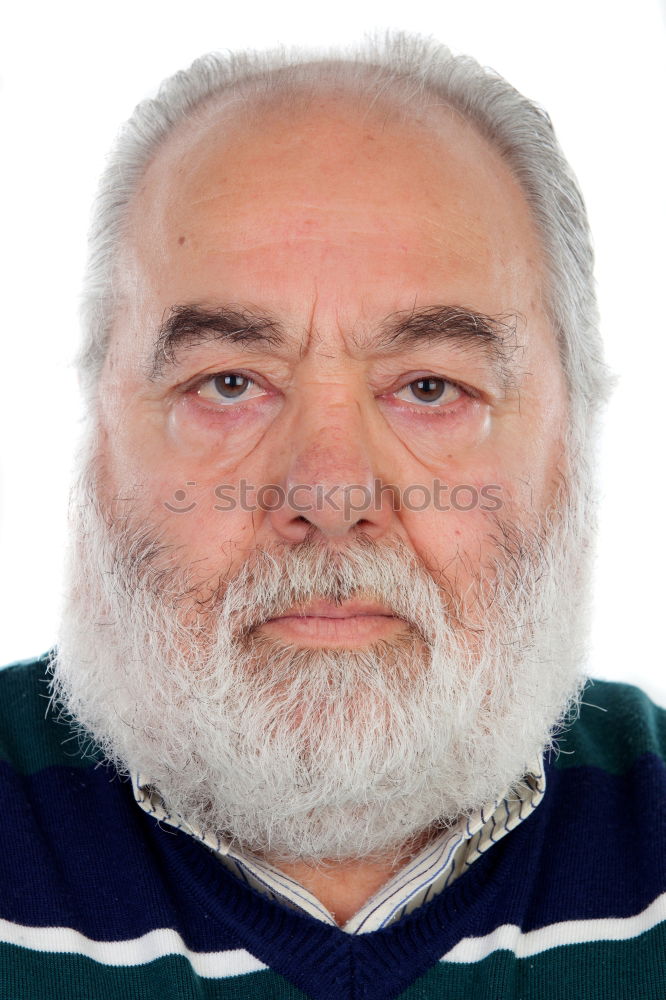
(325, 609)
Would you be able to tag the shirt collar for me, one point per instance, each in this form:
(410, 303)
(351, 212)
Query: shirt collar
(426, 874)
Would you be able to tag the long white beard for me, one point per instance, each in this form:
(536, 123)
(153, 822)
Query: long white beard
(316, 754)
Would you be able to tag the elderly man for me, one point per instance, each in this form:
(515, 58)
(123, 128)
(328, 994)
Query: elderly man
(316, 726)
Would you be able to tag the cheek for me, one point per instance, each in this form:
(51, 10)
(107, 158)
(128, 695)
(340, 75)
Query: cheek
(204, 530)
(456, 530)
(183, 499)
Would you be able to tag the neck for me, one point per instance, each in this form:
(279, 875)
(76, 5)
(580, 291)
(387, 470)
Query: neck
(344, 886)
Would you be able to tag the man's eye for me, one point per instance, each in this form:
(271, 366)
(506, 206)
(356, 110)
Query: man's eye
(228, 387)
(430, 390)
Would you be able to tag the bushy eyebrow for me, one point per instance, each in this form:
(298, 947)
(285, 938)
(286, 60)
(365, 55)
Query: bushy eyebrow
(188, 326)
(494, 337)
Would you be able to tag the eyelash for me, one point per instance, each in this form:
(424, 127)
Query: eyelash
(465, 390)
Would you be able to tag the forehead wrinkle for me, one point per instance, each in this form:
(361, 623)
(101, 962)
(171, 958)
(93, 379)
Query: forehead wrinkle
(310, 329)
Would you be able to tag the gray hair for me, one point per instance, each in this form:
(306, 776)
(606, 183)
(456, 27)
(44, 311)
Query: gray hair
(408, 71)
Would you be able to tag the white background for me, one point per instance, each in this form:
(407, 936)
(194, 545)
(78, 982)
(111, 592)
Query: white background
(71, 73)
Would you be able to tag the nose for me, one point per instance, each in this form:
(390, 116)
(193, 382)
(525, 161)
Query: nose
(331, 481)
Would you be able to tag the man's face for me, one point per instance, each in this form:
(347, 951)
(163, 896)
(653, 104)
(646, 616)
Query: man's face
(335, 225)
(312, 681)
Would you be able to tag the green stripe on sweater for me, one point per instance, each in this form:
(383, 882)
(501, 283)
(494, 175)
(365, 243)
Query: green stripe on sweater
(618, 724)
(34, 975)
(31, 736)
(633, 970)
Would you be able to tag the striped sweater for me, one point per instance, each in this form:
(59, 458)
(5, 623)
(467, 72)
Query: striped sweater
(99, 901)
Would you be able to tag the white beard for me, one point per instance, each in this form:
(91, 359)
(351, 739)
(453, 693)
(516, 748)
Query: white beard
(317, 754)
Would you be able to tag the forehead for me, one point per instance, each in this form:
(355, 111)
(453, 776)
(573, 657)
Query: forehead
(333, 200)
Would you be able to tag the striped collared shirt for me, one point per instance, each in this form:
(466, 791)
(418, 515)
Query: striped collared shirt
(424, 876)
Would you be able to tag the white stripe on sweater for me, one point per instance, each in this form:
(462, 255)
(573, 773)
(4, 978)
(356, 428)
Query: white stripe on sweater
(136, 951)
(222, 964)
(509, 937)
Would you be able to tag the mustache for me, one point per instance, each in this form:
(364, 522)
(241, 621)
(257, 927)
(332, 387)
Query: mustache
(274, 578)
